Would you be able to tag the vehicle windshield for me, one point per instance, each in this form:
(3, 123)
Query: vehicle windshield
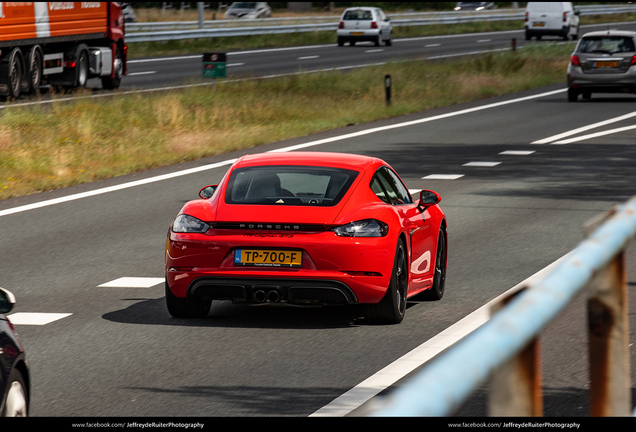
(607, 44)
(289, 185)
(358, 15)
(243, 5)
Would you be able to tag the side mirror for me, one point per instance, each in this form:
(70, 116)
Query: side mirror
(577, 12)
(207, 191)
(7, 301)
(428, 198)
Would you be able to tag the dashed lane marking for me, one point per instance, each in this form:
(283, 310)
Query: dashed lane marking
(443, 177)
(517, 152)
(133, 282)
(481, 164)
(35, 318)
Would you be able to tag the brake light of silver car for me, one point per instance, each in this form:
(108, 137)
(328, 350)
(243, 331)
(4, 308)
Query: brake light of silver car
(374, 25)
(341, 25)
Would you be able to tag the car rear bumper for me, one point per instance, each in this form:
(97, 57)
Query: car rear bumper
(366, 36)
(542, 31)
(602, 83)
(261, 290)
(334, 269)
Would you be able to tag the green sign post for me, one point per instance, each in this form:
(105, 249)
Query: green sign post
(214, 65)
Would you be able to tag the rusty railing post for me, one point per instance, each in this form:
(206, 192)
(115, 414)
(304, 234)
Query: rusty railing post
(515, 387)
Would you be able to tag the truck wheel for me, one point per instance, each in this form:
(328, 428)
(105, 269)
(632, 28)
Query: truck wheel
(109, 83)
(35, 70)
(15, 73)
(82, 70)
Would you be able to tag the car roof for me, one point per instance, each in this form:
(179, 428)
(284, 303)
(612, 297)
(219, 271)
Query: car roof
(321, 159)
(362, 8)
(611, 33)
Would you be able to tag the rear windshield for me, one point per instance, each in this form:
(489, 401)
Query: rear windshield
(243, 5)
(289, 185)
(358, 15)
(606, 44)
(545, 7)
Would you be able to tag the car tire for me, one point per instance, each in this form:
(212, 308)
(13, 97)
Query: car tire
(392, 307)
(528, 36)
(389, 41)
(378, 41)
(587, 95)
(341, 41)
(439, 278)
(352, 43)
(186, 307)
(573, 95)
(16, 403)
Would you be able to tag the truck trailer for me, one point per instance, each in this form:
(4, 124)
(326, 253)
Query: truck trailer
(60, 44)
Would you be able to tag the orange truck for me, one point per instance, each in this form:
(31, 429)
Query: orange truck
(60, 44)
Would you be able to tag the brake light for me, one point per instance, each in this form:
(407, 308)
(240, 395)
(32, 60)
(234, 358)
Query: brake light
(527, 14)
(565, 14)
(341, 25)
(633, 62)
(577, 62)
(374, 25)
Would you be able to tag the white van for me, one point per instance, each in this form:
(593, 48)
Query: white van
(551, 18)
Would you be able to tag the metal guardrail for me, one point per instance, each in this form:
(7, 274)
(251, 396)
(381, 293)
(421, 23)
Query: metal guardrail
(180, 30)
(504, 350)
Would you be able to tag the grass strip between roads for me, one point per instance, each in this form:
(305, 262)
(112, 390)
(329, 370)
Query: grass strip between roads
(48, 146)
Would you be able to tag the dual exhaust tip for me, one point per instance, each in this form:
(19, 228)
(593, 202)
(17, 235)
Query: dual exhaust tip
(271, 295)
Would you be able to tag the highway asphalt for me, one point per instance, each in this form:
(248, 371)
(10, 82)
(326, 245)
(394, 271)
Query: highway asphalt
(514, 206)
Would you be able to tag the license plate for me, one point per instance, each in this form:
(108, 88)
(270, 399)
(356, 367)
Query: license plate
(357, 34)
(268, 258)
(605, 64)
(538, 24)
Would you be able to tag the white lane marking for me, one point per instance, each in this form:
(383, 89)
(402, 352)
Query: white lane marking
(374, 50)
(286, 149)
(443, 177)
(432, 45)
(481, 164)
(594, 135)
(133, 282)
(414, 359)
(141, 73)
(517, 152)
(308, 57)
(234, 64)
(467, 53)
(35, 318)
(584, 128)
(484, 40)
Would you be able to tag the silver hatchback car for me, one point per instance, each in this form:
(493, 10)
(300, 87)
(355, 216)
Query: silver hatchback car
(365, 24)
(603, 62)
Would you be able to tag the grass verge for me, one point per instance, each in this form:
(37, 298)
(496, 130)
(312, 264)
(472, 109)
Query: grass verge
(44, 147)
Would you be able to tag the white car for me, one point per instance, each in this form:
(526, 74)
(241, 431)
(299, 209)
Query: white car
(248, 10)
(368, 24)
(551, 18)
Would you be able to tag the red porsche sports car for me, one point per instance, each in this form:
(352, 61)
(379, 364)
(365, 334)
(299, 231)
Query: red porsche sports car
(307, 228)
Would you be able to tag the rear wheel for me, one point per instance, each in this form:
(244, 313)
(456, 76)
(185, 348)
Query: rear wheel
(392, 307)
(16, 404)
(439, 279)
(35, 70)
(186, 307)
(15, 73)
(573, 95)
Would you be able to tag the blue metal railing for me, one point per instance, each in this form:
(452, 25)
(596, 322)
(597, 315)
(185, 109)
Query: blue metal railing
(448, 380)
